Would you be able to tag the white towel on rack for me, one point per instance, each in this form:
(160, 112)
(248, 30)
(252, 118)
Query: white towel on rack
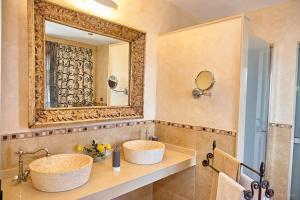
(227, 164)
(228, 189)
(246, 181)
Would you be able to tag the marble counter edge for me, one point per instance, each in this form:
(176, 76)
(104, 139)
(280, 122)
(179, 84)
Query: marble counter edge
(137, 182)
(132, 185)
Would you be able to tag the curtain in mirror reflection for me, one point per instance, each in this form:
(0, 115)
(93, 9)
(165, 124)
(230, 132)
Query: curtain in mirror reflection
(69, 77)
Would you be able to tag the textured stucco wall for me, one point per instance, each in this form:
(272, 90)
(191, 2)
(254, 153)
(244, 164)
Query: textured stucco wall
(153, 17)
(182, 55)
(278, 25)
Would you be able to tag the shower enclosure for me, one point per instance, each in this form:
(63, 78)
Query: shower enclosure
(295, 185)
(256, 90)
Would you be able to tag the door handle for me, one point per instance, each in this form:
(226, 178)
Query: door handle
(296, 140)
(261, 130)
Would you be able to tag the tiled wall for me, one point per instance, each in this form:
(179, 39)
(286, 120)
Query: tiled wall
(180, 57)
(64, 140)
(191, 184)
(182, 186)
(179, 186)
(278, 159)
(277, 164)
(143, 193)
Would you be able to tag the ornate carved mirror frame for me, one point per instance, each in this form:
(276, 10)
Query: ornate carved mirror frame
(39, 116)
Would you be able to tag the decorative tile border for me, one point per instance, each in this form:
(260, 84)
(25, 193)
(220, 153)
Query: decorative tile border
(280, 125)
(61, 131)
(197, 128)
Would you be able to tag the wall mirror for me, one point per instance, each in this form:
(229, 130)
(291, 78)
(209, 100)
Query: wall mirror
(82, 68)
(204, 81)
(77, 66)
(113, 83)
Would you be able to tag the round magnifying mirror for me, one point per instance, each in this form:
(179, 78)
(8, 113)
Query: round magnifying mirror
(205, 80)
(112, 82)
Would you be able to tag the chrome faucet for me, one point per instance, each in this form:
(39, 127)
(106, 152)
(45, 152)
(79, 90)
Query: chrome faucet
(23, 174)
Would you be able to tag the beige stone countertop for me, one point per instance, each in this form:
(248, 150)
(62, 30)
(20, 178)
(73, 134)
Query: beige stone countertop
(104, 183)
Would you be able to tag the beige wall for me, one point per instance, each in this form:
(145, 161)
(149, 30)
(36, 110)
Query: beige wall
(66, 143)
(150, 16)
(14, 77)
(182, 55)
(101, 73)
(119, 66)
(278, 25)
(0, 68)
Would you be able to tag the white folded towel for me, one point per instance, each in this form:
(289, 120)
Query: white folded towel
(227, 164)
(228, 189)
(246, 181)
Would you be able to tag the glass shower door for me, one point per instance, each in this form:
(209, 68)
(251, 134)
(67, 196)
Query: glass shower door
(257, 104)
(295, 191)
(295, 186)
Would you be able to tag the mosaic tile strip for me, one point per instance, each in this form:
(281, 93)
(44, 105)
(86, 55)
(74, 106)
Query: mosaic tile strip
(280, 125)
(197, 128)
(60, 131)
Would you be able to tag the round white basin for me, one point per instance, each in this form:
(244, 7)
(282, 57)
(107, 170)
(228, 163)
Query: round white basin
(143, 151)
(60, 172)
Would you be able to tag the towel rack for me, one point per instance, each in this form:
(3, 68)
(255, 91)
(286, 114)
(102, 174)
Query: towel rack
(1, 192)
(255, 185)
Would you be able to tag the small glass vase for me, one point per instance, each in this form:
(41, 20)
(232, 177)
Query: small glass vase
(98, 159)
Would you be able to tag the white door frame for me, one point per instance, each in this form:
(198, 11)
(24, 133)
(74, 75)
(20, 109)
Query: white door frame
(243, 90)
(294, 121)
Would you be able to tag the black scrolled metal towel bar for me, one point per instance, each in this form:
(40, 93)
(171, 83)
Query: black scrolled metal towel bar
(1, 192)
(255, 185)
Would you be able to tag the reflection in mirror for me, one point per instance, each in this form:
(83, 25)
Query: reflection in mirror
(205, 80)
(112, 82)
(78, 65)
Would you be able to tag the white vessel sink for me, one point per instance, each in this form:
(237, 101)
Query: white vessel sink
(60, 172)
(143, 151)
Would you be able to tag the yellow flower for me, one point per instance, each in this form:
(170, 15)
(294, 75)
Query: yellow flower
(108, 147)
(101, 148)
(80, 148)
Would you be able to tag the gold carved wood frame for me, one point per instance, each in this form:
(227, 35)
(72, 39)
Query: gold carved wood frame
(38, 12)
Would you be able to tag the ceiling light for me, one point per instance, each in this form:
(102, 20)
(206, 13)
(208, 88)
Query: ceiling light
(108, 3)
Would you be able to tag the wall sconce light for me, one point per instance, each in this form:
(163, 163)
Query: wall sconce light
(108, 3)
